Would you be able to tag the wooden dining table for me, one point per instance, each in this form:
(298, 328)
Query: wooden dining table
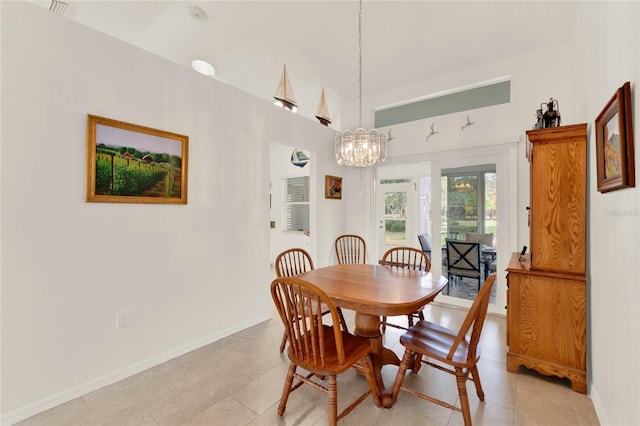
(373, 291)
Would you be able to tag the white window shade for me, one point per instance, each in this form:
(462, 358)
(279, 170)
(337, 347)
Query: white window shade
(296, 203)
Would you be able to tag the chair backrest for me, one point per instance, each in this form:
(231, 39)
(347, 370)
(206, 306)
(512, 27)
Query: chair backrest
(406, 257)
(425, 242)
(474, 320)
(293, 262)
(484, 239)
(463, 255)
(351, 249)
(300, 305)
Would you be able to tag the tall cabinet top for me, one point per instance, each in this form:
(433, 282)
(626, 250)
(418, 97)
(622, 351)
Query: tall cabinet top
(558, 159)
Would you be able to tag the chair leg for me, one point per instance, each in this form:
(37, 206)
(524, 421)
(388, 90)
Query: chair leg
(407, 361)
(286, 389)
(333, 400)
(344, 323)
(384, 324)
(417, 363)
(476, 381)
(461, 380)
(284, 342)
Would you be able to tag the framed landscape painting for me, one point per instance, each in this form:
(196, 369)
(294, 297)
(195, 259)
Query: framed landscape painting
(614, 143)
(128, 163)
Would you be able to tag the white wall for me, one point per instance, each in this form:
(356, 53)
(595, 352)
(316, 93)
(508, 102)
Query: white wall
(68, 266)
(606, 55)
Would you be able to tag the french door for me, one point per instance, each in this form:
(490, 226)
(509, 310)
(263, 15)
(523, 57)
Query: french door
(396, 206)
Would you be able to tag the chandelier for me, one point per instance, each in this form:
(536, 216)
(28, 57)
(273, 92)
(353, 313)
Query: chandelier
(360, 148)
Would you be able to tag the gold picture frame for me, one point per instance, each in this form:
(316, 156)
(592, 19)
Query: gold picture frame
(333, 187)
(614, 143)
(129, 163)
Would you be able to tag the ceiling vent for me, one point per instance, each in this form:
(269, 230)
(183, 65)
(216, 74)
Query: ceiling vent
(58, 6)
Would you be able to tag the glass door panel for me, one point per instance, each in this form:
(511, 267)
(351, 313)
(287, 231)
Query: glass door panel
(395, 218)
(397, 211)
(469, 213)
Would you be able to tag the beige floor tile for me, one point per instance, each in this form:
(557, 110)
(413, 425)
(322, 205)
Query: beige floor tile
(73, 413)
(226, 411)
(542, 401)
(238, 381)
(261, 393)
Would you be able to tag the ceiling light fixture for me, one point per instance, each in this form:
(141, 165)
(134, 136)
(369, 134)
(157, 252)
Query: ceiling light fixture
(197, 13)
(203, 67)
(360, 148)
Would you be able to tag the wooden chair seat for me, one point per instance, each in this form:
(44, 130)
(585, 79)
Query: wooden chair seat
(355, 348)
(436, 341)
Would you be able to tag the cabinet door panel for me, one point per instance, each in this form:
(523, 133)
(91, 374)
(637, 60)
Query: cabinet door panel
(558, 200)
(551, 320)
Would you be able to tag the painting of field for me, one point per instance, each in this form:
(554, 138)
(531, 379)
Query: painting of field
(612, 153)
(129, 163)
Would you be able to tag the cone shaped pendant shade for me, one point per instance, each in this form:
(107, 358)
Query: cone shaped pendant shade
(284, 96)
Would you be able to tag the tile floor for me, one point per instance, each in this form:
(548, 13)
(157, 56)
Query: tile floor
(238, 381)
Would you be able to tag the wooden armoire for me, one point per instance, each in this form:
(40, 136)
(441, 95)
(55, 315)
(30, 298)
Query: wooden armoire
(546, 289)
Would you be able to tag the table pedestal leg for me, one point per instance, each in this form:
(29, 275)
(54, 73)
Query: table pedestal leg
(369, 326)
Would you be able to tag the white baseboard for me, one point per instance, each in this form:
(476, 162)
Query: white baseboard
(52, 401)
(597, 404)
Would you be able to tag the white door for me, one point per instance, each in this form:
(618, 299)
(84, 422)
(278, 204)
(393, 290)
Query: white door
(396, 214)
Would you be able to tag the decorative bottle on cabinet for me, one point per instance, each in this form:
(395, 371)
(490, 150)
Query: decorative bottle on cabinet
(546, 290)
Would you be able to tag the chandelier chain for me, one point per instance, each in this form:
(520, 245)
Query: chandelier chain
(360, 62)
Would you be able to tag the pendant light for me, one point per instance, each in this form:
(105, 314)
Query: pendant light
(360, 148)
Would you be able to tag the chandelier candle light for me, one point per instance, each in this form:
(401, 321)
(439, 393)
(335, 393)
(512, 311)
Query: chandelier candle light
(360, 148)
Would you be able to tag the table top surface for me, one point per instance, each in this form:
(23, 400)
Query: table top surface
(375, 289)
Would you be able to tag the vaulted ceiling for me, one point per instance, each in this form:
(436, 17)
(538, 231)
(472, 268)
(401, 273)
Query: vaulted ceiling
(404, 42)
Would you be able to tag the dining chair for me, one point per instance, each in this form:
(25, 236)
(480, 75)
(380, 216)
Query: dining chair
(320, 349)
(351, 249)
(293, 262)
(463, 260)
(406, 258)
(425, 243)
(454, 352)
(484, 239)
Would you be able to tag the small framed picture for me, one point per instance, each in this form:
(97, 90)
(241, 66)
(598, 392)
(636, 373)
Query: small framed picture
(333, 187)
(128, 163)
(614, 143)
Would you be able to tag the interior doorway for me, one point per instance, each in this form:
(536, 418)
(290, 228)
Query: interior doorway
(291, 206)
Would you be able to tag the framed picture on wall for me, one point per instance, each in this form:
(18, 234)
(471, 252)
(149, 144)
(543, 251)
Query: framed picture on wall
(128, 163)
(333, 187)
(614, 143)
